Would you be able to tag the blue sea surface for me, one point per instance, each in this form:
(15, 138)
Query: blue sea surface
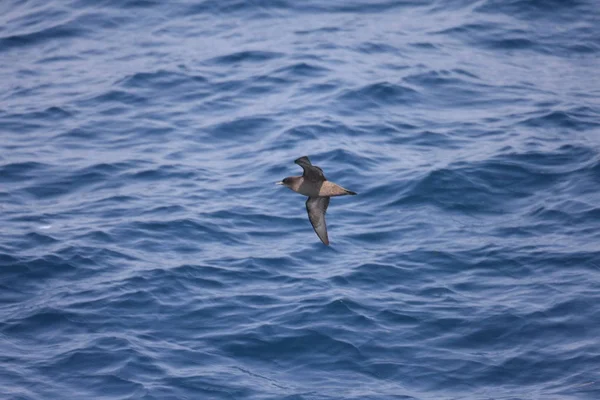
(146, 253)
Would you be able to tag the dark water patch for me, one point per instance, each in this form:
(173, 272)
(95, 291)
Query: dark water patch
(206, 386)
(378, 95)
(270, 83)
(392, 129)
(94, 256)
(432, 139)
(26, 273)
(32, 15)
(257, 269)
(114, 111)
(583, 49)
(21, 128)
(318, 31)
(383, 235)
(97, 236)
(46, 322)
(262, 86)
(173, 171)
(537, 9)
(343, 157)
(38, 239)
(571, 211)
(394, 318)
(321, 88)
(220, 105)
(315, 130)
(560, 119)
(11, 295)
(58, 59)
(22, 171)
(567, 158)
(465, 73)
(254, 10)
(449, 88)
(515, 43)
(375, 275)
(162, 80)
(165, 210)
(424, 46)
(348, 314)
(60, 32)
(460, 190)
(303, 345)
(158, 236)
(110, 169)
(111, 353)
(55, 113)
(548, 259)
(377, 48)
(133, 4)
(100, 385)
(494, 36)
(242, 128)
(99, 20)
(173, 282)
(229, 85)
(127, 301)
(440, 78)
(116, 96)
(302, 70)
(67, 185)
(113, 207)
(50, 114)
(250, 56)
(360, 6)
(197, 276)
(514, 175)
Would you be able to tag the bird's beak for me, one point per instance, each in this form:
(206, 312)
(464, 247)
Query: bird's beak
(279, 183)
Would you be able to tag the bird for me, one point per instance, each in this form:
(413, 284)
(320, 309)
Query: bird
(319, 191)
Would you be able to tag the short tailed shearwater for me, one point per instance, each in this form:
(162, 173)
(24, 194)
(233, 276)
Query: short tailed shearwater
(313, 184)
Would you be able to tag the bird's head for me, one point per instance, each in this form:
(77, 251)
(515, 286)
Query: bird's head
(289, 181)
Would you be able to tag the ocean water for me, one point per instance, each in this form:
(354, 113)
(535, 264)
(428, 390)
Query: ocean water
(145, 252)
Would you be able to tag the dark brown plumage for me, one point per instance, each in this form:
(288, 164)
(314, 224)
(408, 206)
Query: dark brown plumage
(319, 190)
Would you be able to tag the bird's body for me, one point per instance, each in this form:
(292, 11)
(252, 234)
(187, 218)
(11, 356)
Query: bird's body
(319, 190)
(324, 189)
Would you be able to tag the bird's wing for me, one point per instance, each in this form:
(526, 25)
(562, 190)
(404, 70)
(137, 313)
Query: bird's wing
(311, 172)
(316, 207)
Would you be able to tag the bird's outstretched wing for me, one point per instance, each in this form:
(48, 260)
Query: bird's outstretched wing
(311, 172)
(316, 207)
